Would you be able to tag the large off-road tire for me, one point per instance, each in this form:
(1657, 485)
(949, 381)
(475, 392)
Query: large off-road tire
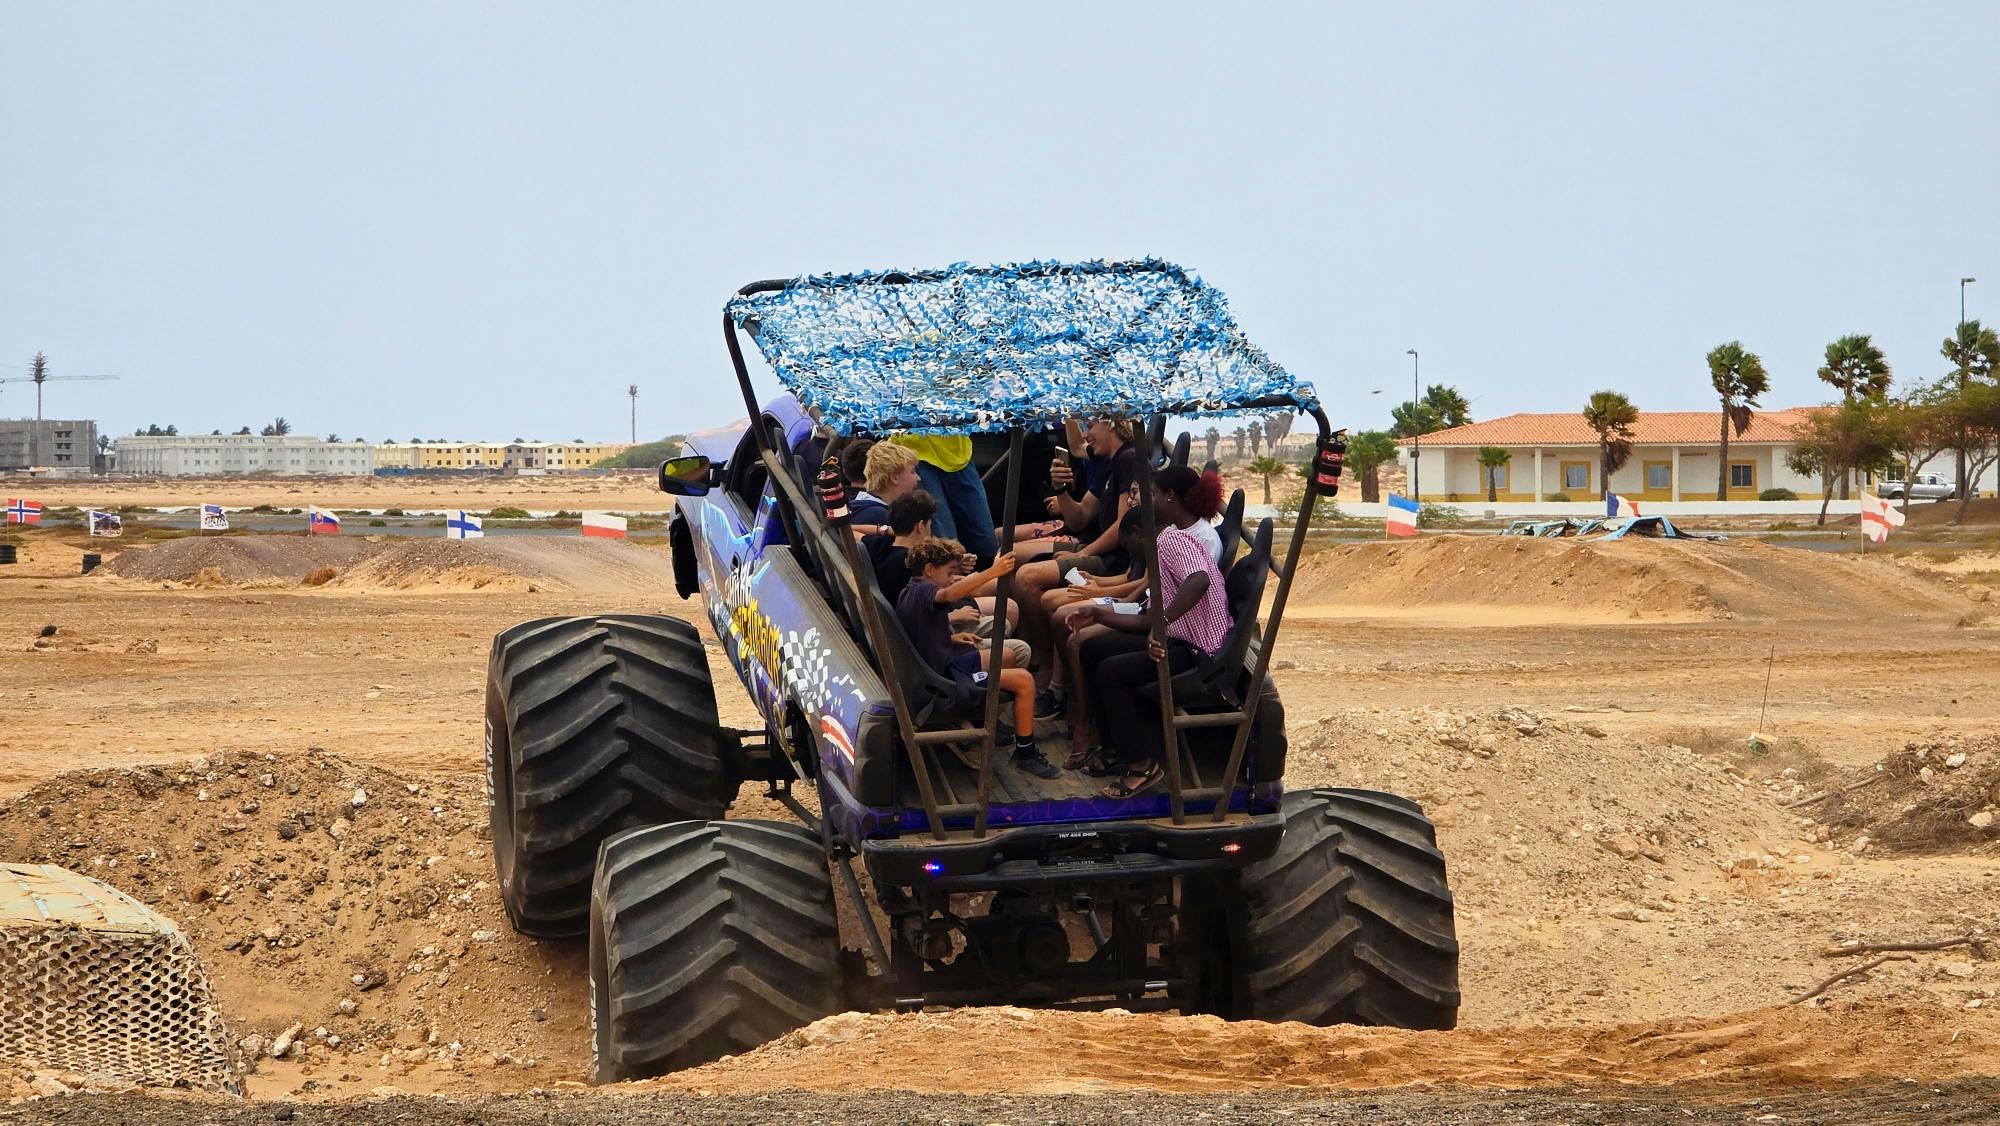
(708, 938)
(1349, 922)
(594, 725)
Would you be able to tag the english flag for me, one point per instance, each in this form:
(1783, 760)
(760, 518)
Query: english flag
(604, 524)
(320, 522)
(21, 511)
(1877, 517)
(465, 526)
(1615, 505)
(1402, 516)
(213, 519)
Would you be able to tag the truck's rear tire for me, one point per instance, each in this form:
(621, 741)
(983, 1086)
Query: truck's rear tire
(1349, 922)
(708, 938)
(594, 725)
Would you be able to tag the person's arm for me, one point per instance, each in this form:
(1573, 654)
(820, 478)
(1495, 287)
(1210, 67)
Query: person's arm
(970, 584)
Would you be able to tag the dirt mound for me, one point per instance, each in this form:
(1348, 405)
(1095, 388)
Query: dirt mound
(218, 561)
(1925, 514)
(508, 563)
(1941, 795)
(1042, 1052)
(518, 563)
(1639, 578)
(330, 895)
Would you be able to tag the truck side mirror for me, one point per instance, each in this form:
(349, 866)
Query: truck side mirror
(685, 476)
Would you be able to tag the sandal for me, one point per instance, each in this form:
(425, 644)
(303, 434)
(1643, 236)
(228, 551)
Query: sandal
(1134, 782)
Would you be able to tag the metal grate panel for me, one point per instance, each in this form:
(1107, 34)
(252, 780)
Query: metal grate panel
(95, 982)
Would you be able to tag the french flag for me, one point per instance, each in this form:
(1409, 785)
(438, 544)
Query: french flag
(320, 522)
(1402, 516)
(1615, 505)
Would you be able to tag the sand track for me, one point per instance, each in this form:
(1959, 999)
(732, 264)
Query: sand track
(507, 563)
(1620, 579)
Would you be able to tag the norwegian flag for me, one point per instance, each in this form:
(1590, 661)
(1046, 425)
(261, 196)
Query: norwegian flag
(1878, 515)
(21, 511)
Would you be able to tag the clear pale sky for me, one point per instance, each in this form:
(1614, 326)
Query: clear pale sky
(485, 220)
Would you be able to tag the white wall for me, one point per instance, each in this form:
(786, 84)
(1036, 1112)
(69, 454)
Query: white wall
(188, 455)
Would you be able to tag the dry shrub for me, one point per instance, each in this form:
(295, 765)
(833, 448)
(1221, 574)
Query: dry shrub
(319, 576)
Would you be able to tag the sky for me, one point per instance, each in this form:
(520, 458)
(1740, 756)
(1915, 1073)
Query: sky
(484, 221)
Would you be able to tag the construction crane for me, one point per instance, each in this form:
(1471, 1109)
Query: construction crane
(39, 366)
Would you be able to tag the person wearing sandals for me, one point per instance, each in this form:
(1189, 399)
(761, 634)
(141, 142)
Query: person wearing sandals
(1195, 611)
(925, 611)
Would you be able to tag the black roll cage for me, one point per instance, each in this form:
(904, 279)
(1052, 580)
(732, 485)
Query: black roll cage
(811, 519)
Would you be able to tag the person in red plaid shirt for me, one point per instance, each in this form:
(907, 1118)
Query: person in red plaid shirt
(1119, 661)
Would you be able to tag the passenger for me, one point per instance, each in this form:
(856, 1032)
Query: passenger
(1068, 686)
(925, 611)
(891, 472)
(1096, 515)
(944, 466)
(909, 525)
(1190, 501)
(1196, 614)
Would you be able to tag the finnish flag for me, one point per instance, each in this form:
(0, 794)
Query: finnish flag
(465, 526)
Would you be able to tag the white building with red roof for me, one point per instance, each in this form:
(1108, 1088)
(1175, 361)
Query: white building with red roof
(1675, 457)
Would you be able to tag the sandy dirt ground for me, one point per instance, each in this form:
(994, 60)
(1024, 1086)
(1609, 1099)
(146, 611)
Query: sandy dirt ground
(1640, 888)
(624, 491)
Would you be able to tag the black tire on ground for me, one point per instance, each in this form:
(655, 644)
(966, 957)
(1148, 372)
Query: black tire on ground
(708, 938)
(594, 725)
(1349, 922)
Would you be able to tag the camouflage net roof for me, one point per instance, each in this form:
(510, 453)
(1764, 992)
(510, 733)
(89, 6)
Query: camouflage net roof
(980, 348)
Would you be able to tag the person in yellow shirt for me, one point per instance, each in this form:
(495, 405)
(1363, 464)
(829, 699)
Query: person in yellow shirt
(944, 468)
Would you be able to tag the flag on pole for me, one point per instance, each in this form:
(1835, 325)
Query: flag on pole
(213, 519)
(1615, 505)
(1878, 515)
(604, 524)
(1402, 516)
(465, 526)
(107, 524)
(20, 511)
(320, 522)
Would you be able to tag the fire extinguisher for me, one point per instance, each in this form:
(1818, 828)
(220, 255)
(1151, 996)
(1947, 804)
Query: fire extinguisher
(1328, 460)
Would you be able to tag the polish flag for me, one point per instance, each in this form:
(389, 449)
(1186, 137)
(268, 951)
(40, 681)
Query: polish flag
(604, 524)
(1877, 517)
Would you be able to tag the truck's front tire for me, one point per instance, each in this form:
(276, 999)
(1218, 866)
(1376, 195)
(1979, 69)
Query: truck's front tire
(1349, 922)
(708, 938)
(594, 725)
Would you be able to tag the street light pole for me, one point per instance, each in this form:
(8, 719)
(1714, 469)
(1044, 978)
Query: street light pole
(1416, 427)
(1961, 484)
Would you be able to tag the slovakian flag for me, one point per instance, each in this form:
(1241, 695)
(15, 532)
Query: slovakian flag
(213, 519)
(1402, 516)
(1877, 517)
(20, 511)
(107, 524)
(465, 526)
(604, 524)
(1615, 505)
(320, 522)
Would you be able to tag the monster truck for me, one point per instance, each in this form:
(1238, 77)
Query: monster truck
(1217, 892)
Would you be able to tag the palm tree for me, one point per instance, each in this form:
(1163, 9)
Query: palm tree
(278, 428)
(1974, 352)
(1211, 438)
(1256, 432)
(1267, 467)
(1367, 452)
(1857, 367)
(1611, 415)
(1238, 436)
(1450, 407)
(1491, 458)
(1739, 378)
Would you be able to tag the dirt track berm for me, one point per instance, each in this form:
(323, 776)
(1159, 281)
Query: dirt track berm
(1214, 891)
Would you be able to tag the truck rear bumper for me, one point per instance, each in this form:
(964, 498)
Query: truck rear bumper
(1073, 853)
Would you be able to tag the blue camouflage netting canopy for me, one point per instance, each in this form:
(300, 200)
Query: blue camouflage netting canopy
(981, 348)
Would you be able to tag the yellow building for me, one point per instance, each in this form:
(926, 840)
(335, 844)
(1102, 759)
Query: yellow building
(555, 457)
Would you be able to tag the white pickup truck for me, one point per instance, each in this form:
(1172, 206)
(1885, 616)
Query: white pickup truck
(1924, 486)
